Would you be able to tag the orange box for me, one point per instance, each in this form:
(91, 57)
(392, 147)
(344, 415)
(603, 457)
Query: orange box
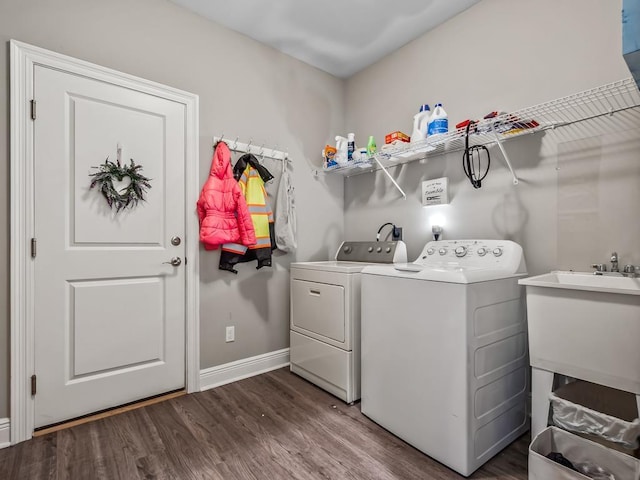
(397, 135)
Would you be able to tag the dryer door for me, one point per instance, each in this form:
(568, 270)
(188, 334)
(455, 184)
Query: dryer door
(318, 310)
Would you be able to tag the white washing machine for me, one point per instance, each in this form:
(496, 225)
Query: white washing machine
(325, 315)
(444, 350)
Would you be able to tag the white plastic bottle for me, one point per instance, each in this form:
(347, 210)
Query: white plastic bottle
(420, 124)
(439, 122)
(341, 150)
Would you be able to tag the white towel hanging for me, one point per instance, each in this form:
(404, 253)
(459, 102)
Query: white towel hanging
(285, 215)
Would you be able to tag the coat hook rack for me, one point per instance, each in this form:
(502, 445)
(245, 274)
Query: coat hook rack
(261, 151)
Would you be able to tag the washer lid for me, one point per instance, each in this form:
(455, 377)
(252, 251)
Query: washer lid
(453, 274)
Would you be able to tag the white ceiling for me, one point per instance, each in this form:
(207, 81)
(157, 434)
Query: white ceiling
(338, 36)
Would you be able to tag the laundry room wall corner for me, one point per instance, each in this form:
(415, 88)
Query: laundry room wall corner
(577, 200)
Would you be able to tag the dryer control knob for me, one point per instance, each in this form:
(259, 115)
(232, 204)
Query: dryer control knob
(370, 249)
(460, 251)
(388, 249)
(347, 249)
(442, 251)
(379, 249)
(482, 251)
(497, 252)
(431, 251)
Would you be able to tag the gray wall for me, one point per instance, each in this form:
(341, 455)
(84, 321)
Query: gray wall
(579, 195)
(246, 90)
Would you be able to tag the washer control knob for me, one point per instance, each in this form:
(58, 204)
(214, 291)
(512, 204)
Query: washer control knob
(442, 251)
(388, 249)
(482, 251)
(370, 249)
(431, 251)
(497, 252)
(347, 249)
(461, 251)
(379, 249)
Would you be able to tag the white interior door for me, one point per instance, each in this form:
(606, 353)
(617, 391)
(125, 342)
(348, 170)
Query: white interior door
(109, 314)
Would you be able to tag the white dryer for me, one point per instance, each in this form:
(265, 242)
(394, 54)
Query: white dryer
(325, 315)
(444, 350)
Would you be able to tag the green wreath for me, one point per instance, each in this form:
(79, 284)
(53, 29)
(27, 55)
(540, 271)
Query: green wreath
(127, 197)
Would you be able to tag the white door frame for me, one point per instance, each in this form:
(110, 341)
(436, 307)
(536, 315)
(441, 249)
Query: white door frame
(24, 58)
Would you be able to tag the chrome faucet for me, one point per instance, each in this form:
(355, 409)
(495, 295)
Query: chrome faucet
(614, 262)
(627, 271)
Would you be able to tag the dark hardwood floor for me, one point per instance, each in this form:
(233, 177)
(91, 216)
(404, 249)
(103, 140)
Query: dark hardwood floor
(272, 426)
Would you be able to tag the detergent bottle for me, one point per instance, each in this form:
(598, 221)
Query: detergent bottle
(341, 150)
(439, 121)
(420, 123)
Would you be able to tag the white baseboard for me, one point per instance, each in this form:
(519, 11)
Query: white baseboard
(5, 432)
(245, 368)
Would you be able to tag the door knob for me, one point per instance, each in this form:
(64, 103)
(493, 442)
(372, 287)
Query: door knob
(175, 261)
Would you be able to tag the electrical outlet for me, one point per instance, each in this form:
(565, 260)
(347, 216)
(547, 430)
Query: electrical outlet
(396, 234)
(230, 334)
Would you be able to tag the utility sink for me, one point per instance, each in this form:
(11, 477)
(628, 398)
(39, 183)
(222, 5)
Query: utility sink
(610, 283)
(586, 326)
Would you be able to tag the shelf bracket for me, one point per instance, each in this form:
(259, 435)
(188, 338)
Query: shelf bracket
(506, 157)
(404, 195)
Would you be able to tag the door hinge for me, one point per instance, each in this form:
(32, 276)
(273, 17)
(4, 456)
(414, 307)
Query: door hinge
(33, 384)
(34, 247)
(185, 260)
(33, 109)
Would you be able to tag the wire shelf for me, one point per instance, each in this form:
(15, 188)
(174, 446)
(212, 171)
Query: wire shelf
(352, 168)
(597, 102)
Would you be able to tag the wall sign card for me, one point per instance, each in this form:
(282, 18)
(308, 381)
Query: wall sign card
(435, 192)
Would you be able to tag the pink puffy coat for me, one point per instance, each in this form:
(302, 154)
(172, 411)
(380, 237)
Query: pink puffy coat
(222, 208)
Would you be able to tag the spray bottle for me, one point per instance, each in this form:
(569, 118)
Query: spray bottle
(371, 146)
